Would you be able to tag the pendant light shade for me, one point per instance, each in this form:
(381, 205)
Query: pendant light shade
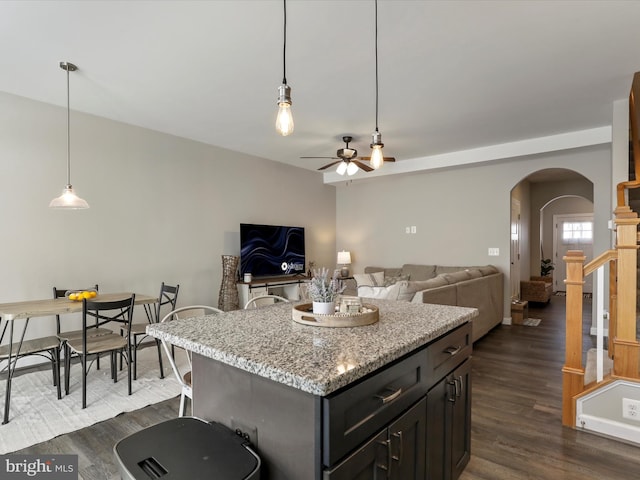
(377, 157)
(68, 199)
(284, 120)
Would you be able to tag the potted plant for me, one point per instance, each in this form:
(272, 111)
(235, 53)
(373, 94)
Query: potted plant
(324, 291)
(546, 267)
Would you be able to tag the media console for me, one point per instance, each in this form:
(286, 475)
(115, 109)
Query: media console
(288, 287)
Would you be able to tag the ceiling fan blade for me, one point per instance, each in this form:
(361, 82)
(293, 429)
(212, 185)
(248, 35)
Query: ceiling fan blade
(386, 159)
(363, 166)
(332, 158)
(330, 165)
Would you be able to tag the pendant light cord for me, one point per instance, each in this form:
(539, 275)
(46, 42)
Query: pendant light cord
(376, 50)
(68, 134)
(284, 47)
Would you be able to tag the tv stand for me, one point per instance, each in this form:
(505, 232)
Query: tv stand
(287, 287)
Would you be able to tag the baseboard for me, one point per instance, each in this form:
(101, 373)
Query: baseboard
(506, 321)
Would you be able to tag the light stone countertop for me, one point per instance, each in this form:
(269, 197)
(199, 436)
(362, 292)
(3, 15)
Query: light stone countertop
(317, 360)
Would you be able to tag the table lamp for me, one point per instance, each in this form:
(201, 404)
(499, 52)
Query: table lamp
(344, 259)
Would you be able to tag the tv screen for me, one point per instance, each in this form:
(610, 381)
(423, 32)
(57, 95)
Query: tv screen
(269, 250)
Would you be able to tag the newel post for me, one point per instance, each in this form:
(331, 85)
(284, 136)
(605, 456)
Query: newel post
(573, 371)
(626, 345)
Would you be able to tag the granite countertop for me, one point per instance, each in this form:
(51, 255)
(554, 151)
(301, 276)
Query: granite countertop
(317, 360)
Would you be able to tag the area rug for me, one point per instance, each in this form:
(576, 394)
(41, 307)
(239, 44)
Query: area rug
(37, 415)
(531, 322)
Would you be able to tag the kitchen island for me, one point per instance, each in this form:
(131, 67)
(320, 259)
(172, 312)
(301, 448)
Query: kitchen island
(324, 402)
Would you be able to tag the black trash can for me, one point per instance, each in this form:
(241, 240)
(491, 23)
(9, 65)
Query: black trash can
(186, 448)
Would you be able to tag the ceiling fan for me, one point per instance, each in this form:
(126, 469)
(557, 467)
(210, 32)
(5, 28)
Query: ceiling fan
(349, 160)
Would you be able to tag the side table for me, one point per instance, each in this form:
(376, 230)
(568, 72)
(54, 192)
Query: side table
(519, 312)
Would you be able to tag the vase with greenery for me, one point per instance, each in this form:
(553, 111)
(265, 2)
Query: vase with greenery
(324, 291)
(546, 267)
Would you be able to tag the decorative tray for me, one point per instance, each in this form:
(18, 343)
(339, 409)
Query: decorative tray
(303, 314)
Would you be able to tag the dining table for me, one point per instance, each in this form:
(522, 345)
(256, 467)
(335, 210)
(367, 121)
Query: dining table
(31, 309)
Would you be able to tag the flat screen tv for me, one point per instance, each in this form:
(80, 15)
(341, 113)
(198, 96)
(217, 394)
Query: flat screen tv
(271, 250)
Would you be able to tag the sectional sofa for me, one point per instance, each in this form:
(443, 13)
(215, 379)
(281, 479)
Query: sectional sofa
(478, 287)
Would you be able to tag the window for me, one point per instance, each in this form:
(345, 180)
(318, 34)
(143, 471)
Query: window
(577, 232)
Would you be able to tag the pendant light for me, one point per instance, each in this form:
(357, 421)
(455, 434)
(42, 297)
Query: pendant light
(284, 120)
(377, 157)
(68, 199)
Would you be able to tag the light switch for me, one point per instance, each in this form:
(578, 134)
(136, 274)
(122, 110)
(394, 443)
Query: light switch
(413, 229)
(407, 230)
(494, 252)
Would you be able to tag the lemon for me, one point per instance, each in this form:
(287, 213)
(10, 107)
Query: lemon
(92, 294)
(72, 296)
(86, 295)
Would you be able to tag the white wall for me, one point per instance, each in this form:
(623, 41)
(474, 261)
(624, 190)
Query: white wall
(459, 213)
(163, 208)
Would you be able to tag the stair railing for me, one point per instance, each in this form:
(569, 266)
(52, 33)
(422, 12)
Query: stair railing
(623, 345)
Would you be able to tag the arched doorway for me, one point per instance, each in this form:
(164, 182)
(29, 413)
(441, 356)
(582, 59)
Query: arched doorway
(541, 195)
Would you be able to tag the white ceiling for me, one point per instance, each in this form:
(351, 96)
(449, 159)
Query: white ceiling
(454, 75)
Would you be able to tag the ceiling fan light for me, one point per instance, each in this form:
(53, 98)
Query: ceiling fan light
(284, 120)
(69, 200)
(352, 168)
(342, 168)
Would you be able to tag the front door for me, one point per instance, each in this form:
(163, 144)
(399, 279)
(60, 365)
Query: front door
(572, 232)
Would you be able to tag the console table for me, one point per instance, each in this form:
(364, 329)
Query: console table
(338, 403)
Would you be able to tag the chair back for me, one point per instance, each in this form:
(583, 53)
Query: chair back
(184, 312)
(263, 300)
(168, 296)
(61, 293)
(100, 313)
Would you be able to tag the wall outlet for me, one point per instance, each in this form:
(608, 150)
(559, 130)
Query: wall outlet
(494, 252)
(631, 409)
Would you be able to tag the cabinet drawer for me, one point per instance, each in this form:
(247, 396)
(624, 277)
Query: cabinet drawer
(354, 415)
(448, 352)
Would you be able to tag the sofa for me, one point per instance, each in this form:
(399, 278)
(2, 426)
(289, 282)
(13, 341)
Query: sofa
(537, 289)
(477, 287)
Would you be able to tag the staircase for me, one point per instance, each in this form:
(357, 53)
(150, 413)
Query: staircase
(608, 404)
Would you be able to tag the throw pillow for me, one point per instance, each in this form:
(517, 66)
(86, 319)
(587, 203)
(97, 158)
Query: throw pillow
(375, 292)
(369, 279)
(392, 280)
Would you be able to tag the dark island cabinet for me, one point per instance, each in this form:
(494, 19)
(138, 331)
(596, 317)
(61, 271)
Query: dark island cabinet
(408, 421)
(396, 453)
(449, 424)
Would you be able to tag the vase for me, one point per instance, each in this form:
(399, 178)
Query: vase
(228, 298)
(324, 308)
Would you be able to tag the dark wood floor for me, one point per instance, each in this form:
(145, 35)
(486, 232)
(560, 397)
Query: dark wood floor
(517, 431)
(516, 420)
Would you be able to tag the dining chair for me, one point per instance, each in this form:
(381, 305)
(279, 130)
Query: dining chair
(64, 336)
(264, 300)
(94, 315)
(168, 296)
(47, 347)
(184, 379)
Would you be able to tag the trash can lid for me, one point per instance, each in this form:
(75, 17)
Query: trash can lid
(186, 447)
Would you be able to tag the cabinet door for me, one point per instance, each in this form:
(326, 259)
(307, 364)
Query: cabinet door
(436, 437)
(460, 418)
(407, 444)
(370, 462)
(449, 424)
